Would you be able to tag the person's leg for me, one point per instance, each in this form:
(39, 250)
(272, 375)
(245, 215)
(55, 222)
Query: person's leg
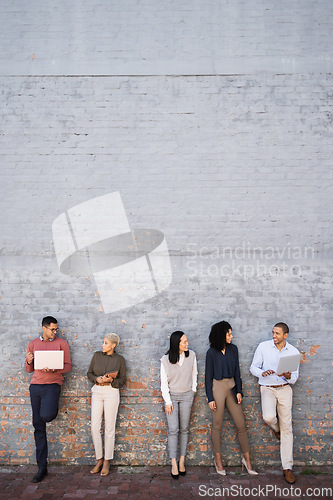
(173, 431)
(111, 404)
(236, 411)
(39, 425)
(220, 389)
(185, 407)
(50, 395)
(173, 428)
(284, 408)
(268, 406)
(97, 408)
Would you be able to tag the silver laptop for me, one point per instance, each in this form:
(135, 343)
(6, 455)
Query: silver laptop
(54, 360)
(288, 363)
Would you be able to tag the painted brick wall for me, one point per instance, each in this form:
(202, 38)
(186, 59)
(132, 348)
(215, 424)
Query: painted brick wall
(235, 170)
(149, 37)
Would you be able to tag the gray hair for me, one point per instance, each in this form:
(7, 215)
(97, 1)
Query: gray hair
(112, 337)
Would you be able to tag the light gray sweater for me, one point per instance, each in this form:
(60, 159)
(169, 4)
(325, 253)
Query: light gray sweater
(179, 377)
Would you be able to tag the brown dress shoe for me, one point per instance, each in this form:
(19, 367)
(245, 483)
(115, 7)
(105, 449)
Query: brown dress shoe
(289, 476)
(277, 434)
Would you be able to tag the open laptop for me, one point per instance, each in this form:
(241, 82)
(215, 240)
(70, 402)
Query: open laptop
(54, 360)
(288, 363)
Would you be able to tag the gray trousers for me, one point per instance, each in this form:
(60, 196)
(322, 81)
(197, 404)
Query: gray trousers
(179, 421)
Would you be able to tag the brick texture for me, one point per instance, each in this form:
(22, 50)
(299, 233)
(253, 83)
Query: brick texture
(236, 170)
(152, 37)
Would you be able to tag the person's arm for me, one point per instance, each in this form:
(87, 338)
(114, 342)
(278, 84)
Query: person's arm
(294, 376)
(90, 373)
(194, 374)
(257, 363)
(120, 380)
(165, 386)
(290, 377)
(209, 373)
(237, 376)
(67, 358)
(29, 359)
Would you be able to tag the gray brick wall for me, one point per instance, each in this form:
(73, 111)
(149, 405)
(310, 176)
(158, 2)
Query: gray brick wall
(153, 37)
(235, 170)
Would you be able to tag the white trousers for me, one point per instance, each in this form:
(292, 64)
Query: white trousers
(278, 402)
(104, 399)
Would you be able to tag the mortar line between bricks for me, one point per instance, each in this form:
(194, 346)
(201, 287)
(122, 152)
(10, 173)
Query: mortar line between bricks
(166, 75)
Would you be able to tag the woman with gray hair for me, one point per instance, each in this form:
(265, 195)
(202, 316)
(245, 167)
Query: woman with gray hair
(107, 371)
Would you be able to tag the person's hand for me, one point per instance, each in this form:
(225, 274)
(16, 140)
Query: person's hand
(286, 375)
(49, 370)
(99, 380)
(212, 405)
(239, 398)
(267, 372)
(29, 357)
(169, 409)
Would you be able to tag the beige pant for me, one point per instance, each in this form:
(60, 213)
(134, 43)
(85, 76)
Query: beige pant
(104, 399)
(276, 406)
(224, 397)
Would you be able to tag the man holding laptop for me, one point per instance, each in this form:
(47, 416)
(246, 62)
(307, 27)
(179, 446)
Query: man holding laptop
(275, 363)
(48, 358)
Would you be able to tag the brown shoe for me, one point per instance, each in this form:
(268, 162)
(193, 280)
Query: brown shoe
(106, 468)
(277, 434)
(97, 467)
(289, 476)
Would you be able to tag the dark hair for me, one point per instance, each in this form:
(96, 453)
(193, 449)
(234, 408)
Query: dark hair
(217, 336)
(173, 352)
(48, 320)
(284, 327)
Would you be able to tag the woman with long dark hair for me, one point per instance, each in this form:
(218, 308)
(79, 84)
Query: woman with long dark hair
(224, 388)
(178, 386)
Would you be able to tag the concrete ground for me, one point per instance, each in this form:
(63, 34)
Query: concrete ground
(156, 483)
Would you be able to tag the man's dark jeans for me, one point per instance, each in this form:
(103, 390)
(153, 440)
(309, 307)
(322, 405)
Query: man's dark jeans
(44, 401)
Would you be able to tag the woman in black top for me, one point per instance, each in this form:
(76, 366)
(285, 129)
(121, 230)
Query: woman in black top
(224, 388)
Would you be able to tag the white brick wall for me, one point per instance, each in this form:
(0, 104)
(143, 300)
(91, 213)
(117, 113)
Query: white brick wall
(132, 37)
(214, 162)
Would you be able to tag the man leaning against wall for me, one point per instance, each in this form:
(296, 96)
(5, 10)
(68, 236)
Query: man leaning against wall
(45, 388)
(276, 392)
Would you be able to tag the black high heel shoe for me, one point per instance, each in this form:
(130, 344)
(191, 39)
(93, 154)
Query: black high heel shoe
(174, 466)
(181, 472)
